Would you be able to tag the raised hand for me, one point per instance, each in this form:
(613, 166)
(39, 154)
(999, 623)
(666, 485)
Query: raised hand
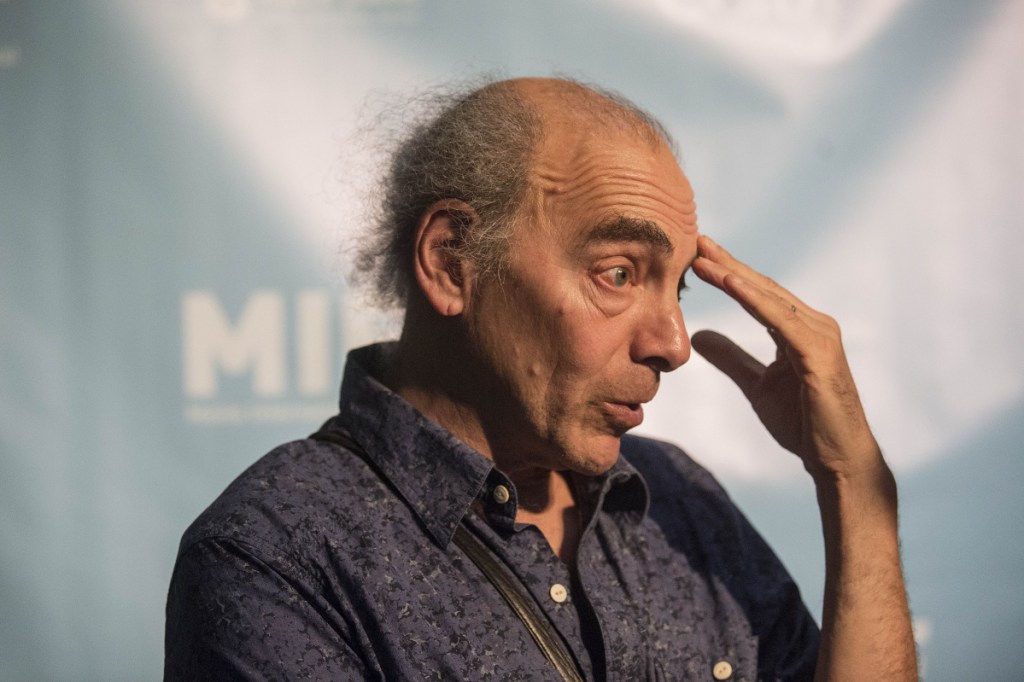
(806, 398)
(808, 401)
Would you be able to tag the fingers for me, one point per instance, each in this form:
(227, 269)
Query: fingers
(768, 308)
(711, 255)
(733, 361)
(787, 317)
(806, 397)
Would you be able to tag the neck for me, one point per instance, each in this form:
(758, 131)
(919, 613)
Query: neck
(453, 397)
(420, 371)
(436, 367)
(546, 500)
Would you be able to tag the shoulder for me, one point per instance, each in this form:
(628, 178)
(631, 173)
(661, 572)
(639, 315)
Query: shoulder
(670, 472)
(287, 501)
(249, 587)
(650, 454)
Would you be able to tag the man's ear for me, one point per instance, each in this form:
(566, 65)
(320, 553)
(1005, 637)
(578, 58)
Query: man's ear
(438, 266)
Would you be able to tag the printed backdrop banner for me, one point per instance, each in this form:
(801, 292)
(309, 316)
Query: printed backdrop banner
(178, 184)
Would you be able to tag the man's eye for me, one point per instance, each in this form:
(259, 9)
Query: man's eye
(619, 276)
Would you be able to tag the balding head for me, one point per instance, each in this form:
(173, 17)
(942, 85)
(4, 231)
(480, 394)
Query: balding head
(588, 110)
(478, 147)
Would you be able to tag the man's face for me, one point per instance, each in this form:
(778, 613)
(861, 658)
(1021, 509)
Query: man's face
(588, 315)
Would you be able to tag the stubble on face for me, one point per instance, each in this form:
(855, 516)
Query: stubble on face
(567, 383)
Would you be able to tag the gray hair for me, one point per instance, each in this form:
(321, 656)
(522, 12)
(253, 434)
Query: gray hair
(474, 144)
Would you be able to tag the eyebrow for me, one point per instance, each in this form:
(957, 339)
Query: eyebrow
(623, 229)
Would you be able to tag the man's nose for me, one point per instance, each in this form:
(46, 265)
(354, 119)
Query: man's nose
(661, 340)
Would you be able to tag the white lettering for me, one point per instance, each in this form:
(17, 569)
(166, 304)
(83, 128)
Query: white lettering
(211, 344)
(313, 342)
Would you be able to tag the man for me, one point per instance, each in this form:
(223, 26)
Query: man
(537, 233)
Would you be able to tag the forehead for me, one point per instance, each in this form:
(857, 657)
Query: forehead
(586, 179)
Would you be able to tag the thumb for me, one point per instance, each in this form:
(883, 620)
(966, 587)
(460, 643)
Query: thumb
(733, 361)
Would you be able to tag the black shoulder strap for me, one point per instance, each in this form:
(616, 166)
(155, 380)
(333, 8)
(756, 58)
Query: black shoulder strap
(522, 604)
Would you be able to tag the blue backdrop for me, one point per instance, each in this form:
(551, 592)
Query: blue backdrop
(177, 181)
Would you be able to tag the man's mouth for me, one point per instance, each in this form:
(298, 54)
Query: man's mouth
(624, 416)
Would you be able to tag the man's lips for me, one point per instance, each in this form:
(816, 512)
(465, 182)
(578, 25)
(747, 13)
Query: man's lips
(624, 416)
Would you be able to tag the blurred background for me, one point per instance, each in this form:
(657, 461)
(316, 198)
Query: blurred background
(179, 179)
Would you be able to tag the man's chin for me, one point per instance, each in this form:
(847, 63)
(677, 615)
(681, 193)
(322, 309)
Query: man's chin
(598, 456)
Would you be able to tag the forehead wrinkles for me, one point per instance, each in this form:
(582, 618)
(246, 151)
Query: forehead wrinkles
(612, 181)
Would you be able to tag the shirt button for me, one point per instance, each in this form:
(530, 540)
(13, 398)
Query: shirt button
(501, 494)
(722, 670)
(558, 593)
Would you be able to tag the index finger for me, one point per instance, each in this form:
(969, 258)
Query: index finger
(772, 306)
(709, 249)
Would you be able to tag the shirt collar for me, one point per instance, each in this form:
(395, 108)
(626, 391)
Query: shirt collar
(437, 474)
(619, 491)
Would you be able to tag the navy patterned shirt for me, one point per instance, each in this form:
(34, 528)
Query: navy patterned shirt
(320, 563)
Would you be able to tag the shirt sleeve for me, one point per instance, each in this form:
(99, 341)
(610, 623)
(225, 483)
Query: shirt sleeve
(232, 614)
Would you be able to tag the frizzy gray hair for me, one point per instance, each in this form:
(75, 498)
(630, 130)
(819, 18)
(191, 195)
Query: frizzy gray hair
(473, 143)
(475, 147)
